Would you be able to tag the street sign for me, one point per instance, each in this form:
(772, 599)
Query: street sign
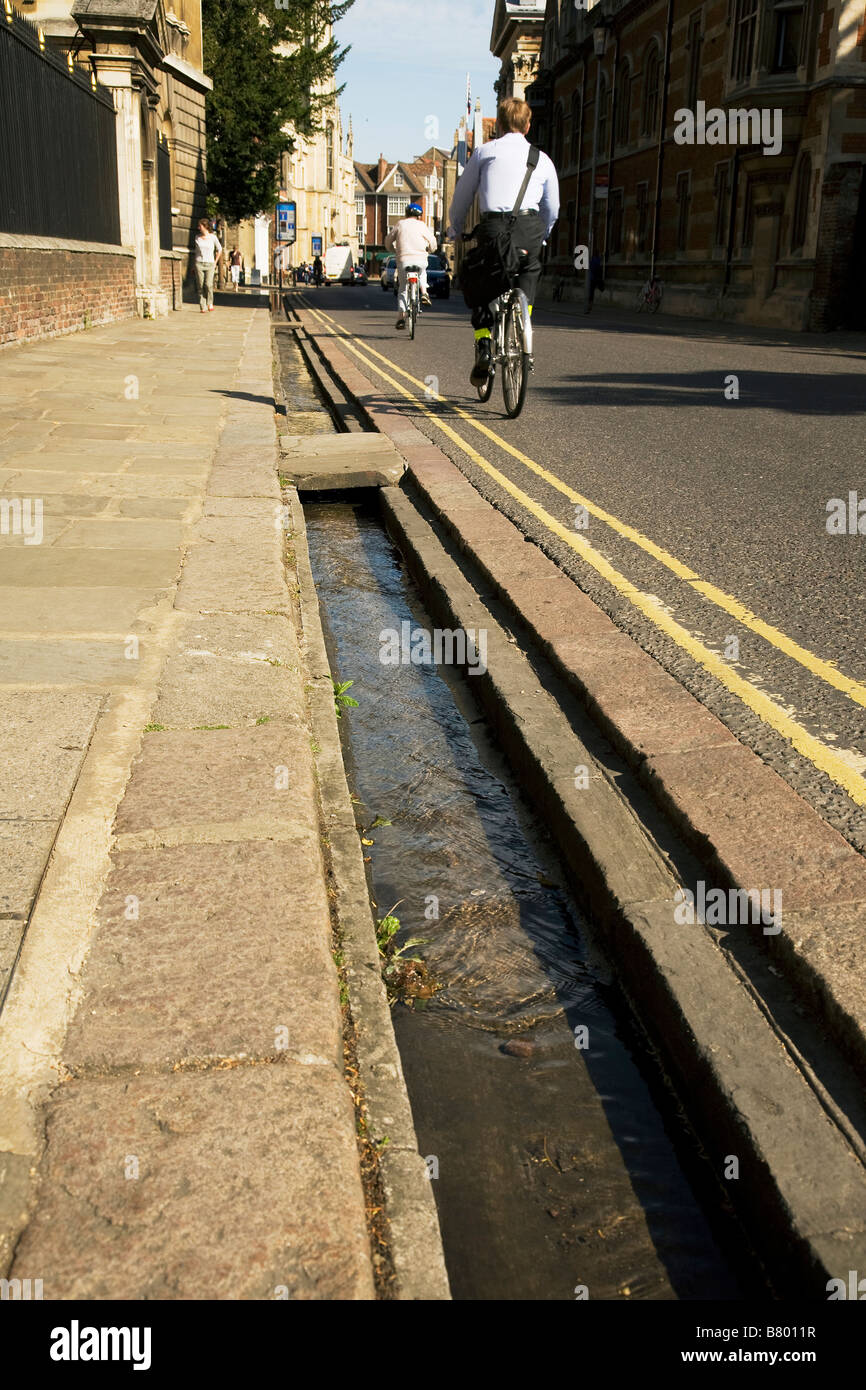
(317, 245)
(286, 228)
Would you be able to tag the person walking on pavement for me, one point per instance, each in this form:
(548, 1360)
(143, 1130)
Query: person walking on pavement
(207, 256)
(318, 271)
(495, 172)
(236, 264)
(412, 239)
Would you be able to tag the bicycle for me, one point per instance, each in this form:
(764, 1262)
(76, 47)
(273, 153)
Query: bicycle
(413, 297)
(650, 296)
(510, 347)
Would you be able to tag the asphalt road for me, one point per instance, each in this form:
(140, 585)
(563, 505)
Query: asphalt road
(726, 500)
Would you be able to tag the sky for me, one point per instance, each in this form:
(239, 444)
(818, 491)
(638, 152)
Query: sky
(407, 72)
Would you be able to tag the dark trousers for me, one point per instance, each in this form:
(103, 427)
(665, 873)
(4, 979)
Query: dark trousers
(528, 235)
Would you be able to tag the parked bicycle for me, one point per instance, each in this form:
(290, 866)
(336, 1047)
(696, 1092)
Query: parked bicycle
(650, 296)
(510, 347)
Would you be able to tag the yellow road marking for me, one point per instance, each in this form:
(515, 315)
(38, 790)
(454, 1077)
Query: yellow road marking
(826, 671)
(831, 763)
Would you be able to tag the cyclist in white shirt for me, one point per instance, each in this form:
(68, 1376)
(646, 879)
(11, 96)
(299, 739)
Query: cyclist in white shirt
(495, 172)
(207, 254)
(411, 239)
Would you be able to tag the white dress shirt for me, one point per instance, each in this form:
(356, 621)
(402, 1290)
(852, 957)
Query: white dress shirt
(411, 238)
(495, 171)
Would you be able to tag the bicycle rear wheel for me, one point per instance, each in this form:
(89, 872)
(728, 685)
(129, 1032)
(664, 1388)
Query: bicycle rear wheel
(515, 368)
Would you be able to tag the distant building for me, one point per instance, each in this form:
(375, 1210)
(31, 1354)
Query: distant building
(516, 41)
(383, 191)
(776, 237)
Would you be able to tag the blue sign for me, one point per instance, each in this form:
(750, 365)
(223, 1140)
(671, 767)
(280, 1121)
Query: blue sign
(286, 230)
(317, 245)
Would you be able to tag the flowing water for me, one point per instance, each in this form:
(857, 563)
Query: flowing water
(554, 1149)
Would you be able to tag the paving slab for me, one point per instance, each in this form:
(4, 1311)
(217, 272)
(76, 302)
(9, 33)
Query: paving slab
(333, 462)
(89, 569)
(60, 610)
(24, 849)
(43, 739)
(209, 951)
(247, 1188)
(230, 669)
(121, 533)
(226, 775)
(58, 661)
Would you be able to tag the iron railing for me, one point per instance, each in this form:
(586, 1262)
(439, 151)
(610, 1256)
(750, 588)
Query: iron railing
(58, 152)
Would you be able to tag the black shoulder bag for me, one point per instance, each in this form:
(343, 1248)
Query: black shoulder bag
(487, 269)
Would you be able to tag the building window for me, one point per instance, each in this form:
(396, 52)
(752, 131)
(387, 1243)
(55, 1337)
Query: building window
(329, 138)
(397, 206)
(694, 44)
(748, 235)
(359, 207)
(684, 198)
(745, 24)
(575, 126)
(615, 224)
(603, 117)
(642, 209)
(800, 219)
(787, 36)
(623, 104)
(650, 111)
(558, 123)
(398, 179)
(722, 194)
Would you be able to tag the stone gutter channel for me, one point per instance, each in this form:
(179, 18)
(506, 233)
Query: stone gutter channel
(762, 1035)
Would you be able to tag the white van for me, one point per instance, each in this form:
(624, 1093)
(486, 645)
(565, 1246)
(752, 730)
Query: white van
(338, 263)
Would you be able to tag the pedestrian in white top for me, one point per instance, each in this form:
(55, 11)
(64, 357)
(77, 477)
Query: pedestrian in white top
(411, 239)
(207, 255)
(495, 172)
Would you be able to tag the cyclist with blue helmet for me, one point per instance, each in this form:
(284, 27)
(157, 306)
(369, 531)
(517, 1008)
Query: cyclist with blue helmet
(412, 239)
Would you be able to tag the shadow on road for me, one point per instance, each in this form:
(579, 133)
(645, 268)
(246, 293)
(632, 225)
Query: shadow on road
(794, 392)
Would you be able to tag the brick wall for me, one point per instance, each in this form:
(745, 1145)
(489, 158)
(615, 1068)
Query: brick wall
(48, 291)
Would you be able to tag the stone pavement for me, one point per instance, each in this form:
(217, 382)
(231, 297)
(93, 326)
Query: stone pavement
(171, 1017)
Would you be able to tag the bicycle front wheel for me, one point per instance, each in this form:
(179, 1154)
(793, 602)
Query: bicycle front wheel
(515, 368)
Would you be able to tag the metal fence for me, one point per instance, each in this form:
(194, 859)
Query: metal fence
(58, 152)
(163, 169)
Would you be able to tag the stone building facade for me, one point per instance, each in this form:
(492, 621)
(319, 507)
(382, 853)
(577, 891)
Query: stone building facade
(733, 231)
(149, 55)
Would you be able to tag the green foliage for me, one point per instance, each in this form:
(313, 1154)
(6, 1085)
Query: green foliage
(341, 699)
(258, 90)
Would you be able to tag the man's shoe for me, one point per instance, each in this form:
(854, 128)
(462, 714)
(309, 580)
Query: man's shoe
(425, 299)
(481, 371)
(401, 322)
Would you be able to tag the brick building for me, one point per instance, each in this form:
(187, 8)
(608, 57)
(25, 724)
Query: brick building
(777, 237)
(383, 191)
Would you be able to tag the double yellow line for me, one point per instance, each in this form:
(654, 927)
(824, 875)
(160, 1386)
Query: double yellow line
(828, 760)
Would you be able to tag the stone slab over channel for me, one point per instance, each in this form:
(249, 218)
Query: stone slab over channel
(336, 462)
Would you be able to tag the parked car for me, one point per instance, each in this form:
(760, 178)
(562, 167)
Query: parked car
(359, 275)
(388, 278)
(438, 277)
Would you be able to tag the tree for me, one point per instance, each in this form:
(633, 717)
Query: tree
(265, 61)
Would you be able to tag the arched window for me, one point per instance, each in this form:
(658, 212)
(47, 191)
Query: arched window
(329, 140)
(575, 127)
(558, 122)
(603, 116)
(623, 104)
(650, 109)
(800, 219)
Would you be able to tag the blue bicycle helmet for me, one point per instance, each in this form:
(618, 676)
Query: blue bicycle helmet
(414, 210)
